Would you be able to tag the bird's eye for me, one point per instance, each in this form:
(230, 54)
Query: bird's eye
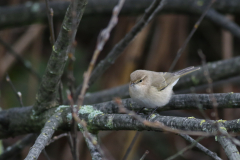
(140, 80)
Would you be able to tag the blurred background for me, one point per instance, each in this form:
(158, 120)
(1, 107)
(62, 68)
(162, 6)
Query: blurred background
(153, 49)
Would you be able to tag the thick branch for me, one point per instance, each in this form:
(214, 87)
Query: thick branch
(35, 12)
(46, 133)
(13, 120)
(179, 102)
(46, 96)
(16, 121)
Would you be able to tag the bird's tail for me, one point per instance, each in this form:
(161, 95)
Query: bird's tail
(186, 71)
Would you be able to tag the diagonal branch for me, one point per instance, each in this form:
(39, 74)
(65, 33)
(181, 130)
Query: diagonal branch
(229, 148)
(196, 25)
(94, 151)
(24, 62)
(17, 147)
(201, 147)
(46, 95)
(46, 133)
(185, 149)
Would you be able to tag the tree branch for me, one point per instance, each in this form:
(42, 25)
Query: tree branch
(185, 149)
(35, 12)
(46, 133)
(229, 148)
(93, 146)
(12, 120)
(46, 95)
(200, 147)
(17, 147)
(27, 64)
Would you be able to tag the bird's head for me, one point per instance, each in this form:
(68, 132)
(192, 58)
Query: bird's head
(138, 78)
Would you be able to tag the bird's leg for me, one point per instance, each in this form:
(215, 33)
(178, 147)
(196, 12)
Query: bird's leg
(138, 112)
(152, 112)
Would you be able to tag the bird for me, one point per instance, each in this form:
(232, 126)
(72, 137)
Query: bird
(152, 89)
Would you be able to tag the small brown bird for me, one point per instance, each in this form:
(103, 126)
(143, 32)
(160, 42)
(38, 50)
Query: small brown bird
(154, 89)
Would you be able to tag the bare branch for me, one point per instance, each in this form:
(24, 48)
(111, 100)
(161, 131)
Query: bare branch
(93, 146)
(229, 148)
(105, 8)
(17, 147)
(201, 147)
(50, 21)
(144, 155)
(131, 145)
(185, 149)
(47, 131)
(17, 93)
(57, 138)
(102, 39)
(46, 95)
(196, 25)
(24, 62)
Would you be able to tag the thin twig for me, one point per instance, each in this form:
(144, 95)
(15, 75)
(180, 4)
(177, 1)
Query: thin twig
(50, 21)
(27, 64)
(70, 142)
(45, 154)
(74, 128)
(131, 145)
(88, 136)
(200, 147)
(71, 51)
(60, 88)
(57, 138)
(144, 155)
(17, 147)
(210, 88)
(180, 51)
(17, 93)
(185, 149)
(94, 146)
(81, 124)
(214, 101)
(102, 39)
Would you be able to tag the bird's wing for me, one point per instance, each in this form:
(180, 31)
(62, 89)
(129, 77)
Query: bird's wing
(163, 80)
